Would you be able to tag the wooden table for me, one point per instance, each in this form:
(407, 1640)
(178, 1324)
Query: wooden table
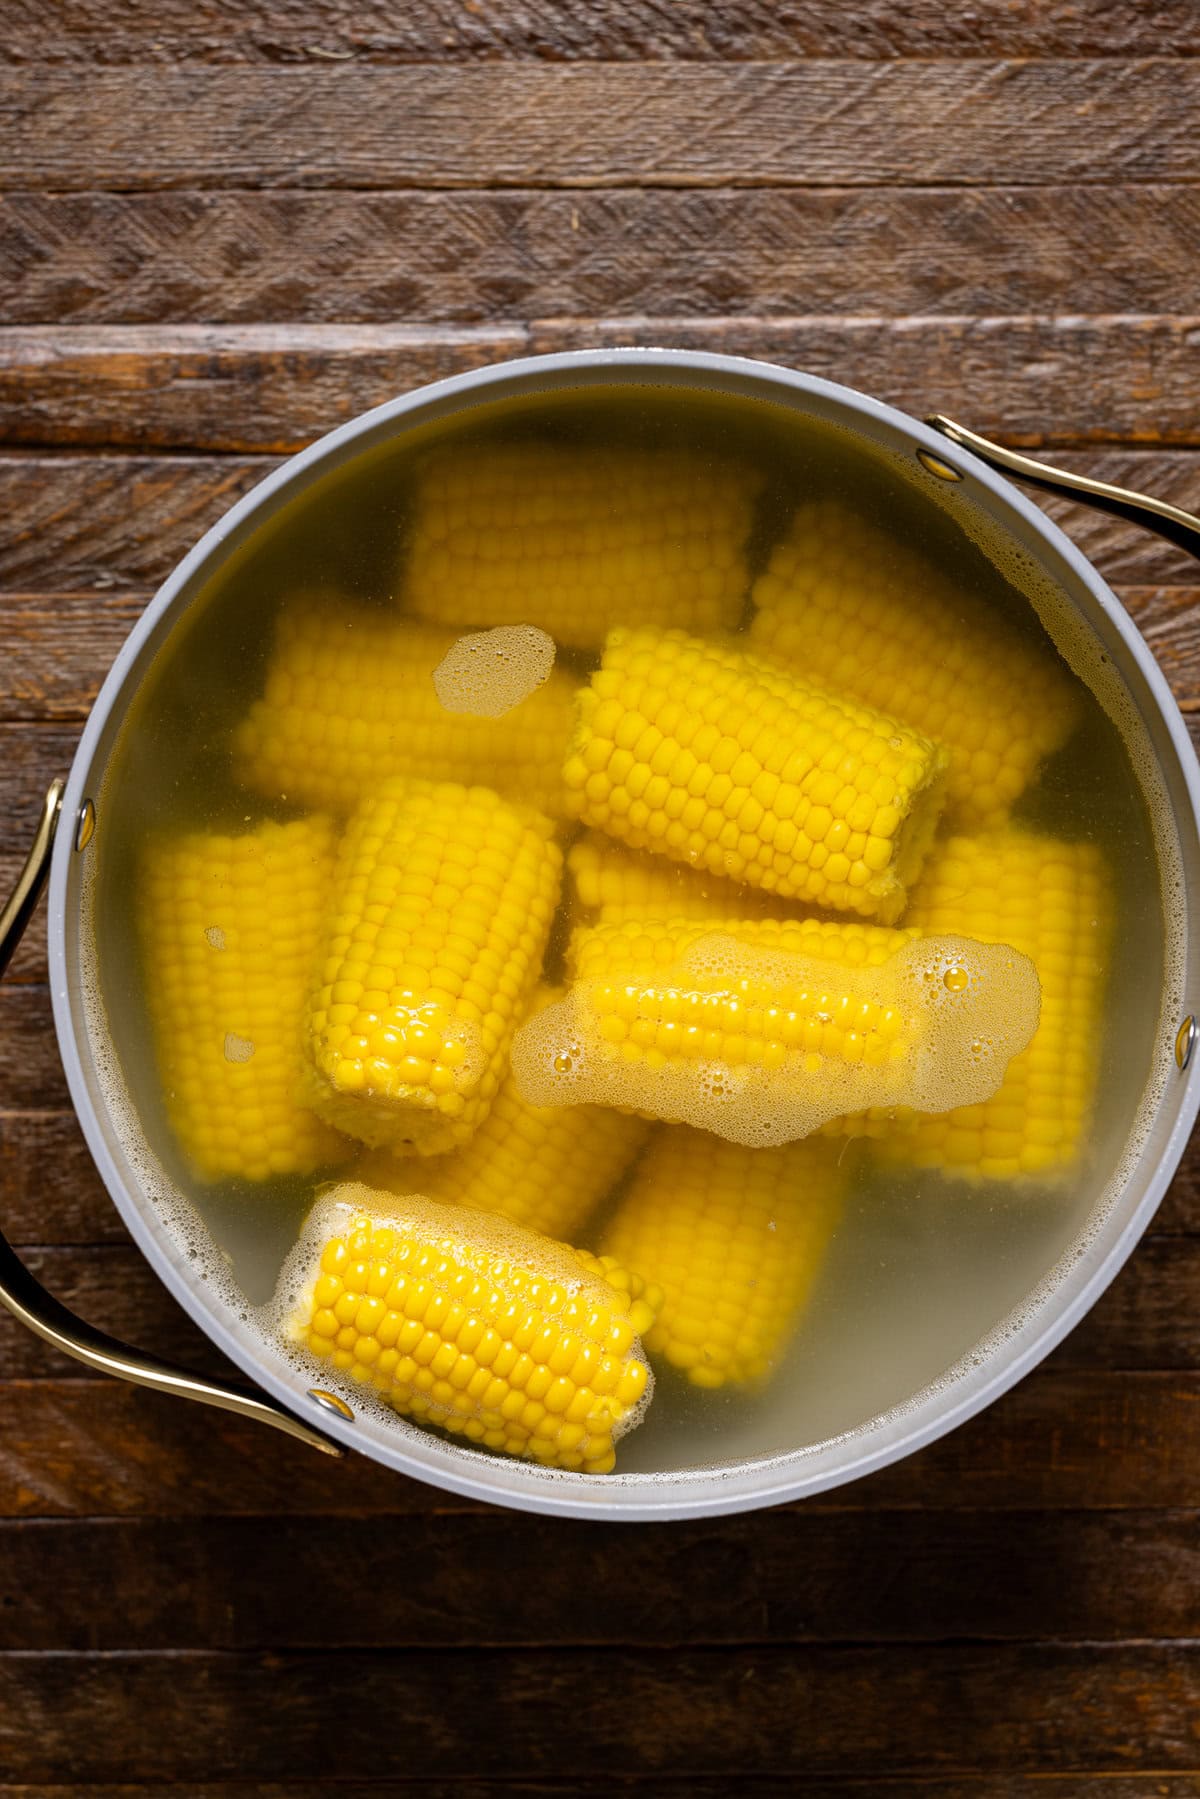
(228, 226)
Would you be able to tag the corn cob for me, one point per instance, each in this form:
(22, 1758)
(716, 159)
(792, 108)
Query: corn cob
(579, 539)
(735, 1238)
(764, 1030)
(350, 699)
(848, 606)
(1053, 901)
(443, 901)
(712, 758)
(230, 928)
(469, 1324)
(544, 1167)
(615, 885)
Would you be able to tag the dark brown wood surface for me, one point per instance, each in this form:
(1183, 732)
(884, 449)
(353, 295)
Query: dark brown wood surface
(226, 226)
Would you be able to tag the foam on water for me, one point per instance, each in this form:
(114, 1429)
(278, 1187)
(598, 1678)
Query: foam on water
(964, 1010)
(488, 673)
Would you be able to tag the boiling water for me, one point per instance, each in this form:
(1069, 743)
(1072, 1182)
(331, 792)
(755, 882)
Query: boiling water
(922, 1267)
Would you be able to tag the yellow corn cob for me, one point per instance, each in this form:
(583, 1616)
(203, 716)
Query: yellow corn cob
(847, 605)
(349, 700)
(712, 758)
(735, 1238)
(615, 885)
(230, 928)
(764, 1030)
(443, 901)
(1053, 901)
(470, 1324)
(579, 539)
(546, 1167)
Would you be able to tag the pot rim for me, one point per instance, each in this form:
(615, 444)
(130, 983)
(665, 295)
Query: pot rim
(715, 1489)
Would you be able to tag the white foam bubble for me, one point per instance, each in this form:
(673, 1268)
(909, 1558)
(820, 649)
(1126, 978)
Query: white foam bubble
(945, 1014)
(488, 673)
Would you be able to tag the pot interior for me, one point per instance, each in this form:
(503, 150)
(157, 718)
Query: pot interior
(929, 1276)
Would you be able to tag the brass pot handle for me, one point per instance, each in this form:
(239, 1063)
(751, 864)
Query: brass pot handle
(1182, 528)
(28, 1300)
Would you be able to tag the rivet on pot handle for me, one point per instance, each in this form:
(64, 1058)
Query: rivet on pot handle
(28, 1300)
(1169, 521)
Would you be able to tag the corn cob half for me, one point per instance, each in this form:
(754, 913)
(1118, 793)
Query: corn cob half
(545, 1167)
(1052, 900)
(735, 1238)
(712, 758)
(577, 539)
(470, 1324)
(443, 897)
(845, 604)
(765, 1030)
(350, 699)
(230, 927)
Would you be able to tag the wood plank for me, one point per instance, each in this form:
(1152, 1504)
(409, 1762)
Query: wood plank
(116, 523)
(1075, 1441)
(1148, 1319)
(777, 1577)
(265, 31)
(113, 523)
(991, 1709)
(1102, 1785)
(50, 1191)
(57, 650)
(462, 258)
(813, 123)
(1034, 381)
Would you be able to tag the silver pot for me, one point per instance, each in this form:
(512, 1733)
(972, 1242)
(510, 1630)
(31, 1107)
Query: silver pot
(960, 469)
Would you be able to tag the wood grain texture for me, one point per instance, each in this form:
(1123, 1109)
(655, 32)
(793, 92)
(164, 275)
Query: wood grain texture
(1080, 1440)
(787, 1577)
(1033, 381)
(90, 32)
(460, 258)
(996, 1709)
(1103, 1785)
(106, 522)
(808, 124)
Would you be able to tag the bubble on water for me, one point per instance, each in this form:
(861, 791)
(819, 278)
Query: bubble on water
(488, 673)
(925, 1043)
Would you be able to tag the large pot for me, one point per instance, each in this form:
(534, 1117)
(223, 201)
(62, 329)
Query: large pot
(1163, 1086)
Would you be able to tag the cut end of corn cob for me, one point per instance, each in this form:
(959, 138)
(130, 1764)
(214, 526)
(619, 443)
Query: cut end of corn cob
(846, 605)
(1052, 900)
(699, 753)
(545, 1167)
(443, 897)
(765, 1031)
(350, 700)
(469, 1324)
(735, 1238)
(230, 927)
(579, 539)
